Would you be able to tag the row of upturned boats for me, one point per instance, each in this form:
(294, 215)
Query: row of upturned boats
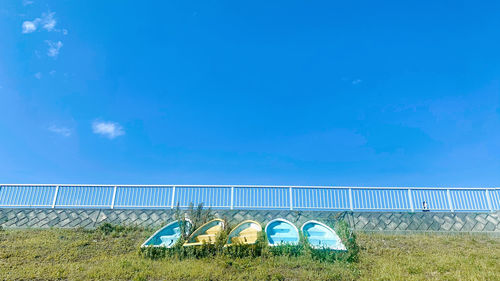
(278, 232)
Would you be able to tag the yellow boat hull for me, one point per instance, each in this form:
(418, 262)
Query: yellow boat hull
(245, 233)
(206, 234)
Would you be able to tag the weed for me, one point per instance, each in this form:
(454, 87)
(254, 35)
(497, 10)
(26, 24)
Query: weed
(114, 230)
(199, 216)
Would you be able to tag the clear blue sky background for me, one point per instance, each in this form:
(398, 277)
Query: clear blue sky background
(265, 92)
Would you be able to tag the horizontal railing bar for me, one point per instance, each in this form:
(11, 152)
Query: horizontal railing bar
(254, 207)
(432, 209)
(322, 208)
(168, 206)
(462, 209)
(93, 206)
(262, 186)
(139, 206)
(394, 209)
(262, 207)
(236, 207)
(28, 205)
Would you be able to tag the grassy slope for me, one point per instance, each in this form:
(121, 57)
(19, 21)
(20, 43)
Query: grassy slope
(429, 257)
(81, 255)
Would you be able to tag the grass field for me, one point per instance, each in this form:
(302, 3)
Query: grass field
(89, 255)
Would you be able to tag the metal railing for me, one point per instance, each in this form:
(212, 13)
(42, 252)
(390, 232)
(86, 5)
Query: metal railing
(250, 197)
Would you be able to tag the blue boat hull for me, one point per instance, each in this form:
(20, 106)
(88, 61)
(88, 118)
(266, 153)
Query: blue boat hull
(321, 236)
(167, 236)
(281, 232)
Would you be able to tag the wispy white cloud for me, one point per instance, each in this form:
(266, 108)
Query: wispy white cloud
(27, 2)
(54, 48)
(351, 80)
(38, 75)
(47, 22)
(108, 129)
(63, 131)
(52, 72)
(29, 26)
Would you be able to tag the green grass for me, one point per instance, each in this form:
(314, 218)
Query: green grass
(93, 255)
(429, 257)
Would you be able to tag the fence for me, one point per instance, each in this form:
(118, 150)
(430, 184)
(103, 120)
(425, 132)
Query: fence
(250, 197)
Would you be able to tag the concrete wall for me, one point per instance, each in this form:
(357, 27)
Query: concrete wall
(392, 222)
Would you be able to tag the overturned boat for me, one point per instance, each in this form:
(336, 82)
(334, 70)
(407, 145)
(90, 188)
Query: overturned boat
(281, 231)
(321, 236)
(168, 235)
(206, 233)
(246, 232)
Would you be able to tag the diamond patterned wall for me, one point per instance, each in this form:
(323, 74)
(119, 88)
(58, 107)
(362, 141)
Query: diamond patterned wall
(394, 222)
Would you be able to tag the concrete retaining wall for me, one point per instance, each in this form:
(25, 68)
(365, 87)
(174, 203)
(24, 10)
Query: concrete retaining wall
(393, 222)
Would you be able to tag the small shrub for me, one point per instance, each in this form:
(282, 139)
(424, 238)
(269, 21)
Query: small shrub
(106, 228)
(115, 230)
(181, 217)
(221, 240)
(348, 237)
(255, 250)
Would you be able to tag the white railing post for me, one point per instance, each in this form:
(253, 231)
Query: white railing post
(450, 204)
(291, 198)
(113, 199)
(488, 200)
(410, 198)
(351, 207)
(55, 197)
(232, 197)
(173, 197)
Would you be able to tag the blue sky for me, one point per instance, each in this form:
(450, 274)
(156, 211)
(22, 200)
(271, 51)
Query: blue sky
(222, 92)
